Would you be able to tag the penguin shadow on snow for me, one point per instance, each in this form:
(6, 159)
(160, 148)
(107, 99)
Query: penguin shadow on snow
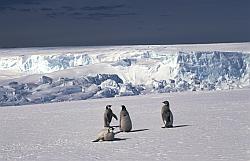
(132, 131)
(138, 130)
(115, 140)
(120, 139)
(177, 126)
(114, 126)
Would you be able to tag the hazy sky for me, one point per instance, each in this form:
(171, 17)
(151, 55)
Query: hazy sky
(26, 23)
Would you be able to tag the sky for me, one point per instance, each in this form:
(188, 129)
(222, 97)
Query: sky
(37, 23)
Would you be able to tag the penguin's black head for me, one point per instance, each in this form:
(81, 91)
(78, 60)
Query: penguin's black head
(108, 106)
(166, 103)
(123, 107)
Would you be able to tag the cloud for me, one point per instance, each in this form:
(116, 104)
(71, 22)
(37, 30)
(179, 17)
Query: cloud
(87, 12)
(7, 9)
(165, 15)
(25, 10)
(46, 9)
(68, 8)
(98, 15)
(55, 14)
(95, 12)
(19, 5)
(76, 13)
(19, 2)
(31, 3)
(102, 8)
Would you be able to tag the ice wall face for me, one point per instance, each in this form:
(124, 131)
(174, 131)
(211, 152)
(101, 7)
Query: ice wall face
(10, 63)
(213, 67)
(131, 72)
(37, 64)
(143, 66)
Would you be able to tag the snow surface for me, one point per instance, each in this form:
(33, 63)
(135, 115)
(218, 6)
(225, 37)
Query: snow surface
(209, 126)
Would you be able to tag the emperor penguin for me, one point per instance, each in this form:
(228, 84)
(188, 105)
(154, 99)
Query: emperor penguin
(106, 134)
(125, 121)
(166, 114)
(108, 114)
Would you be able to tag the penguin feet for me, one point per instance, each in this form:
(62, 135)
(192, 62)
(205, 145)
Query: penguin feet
(169, 126)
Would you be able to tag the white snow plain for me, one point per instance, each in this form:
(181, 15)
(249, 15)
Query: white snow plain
(209, 125)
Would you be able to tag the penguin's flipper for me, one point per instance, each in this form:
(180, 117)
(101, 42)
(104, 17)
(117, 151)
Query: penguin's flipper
(96, 140)
(114, 116)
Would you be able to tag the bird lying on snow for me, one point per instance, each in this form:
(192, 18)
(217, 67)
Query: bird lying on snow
(106, 134)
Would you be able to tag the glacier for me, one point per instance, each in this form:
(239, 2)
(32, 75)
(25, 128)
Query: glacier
(99, 72)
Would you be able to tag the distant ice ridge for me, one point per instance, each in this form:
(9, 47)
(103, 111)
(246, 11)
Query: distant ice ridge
(37, 64)
(169, 64)
(113, 72)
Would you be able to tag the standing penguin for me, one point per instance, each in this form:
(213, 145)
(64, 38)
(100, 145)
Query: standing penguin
(167, 116)
(108, 114)
(125, 121)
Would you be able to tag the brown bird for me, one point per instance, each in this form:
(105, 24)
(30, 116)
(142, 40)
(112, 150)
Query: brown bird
(125, 121)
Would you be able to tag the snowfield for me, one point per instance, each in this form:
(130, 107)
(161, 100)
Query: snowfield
(52, 102)
(209, 125)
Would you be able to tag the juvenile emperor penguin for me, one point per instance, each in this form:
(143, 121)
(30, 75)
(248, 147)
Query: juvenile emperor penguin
(166, 114)
(106, 134)
(108, 114)
(125, 121)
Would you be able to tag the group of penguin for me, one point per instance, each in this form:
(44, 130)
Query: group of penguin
(125, 125)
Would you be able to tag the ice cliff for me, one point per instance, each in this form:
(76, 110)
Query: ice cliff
(132, 71)
(34, 64)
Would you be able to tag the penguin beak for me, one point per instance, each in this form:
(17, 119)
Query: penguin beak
(165, 102)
